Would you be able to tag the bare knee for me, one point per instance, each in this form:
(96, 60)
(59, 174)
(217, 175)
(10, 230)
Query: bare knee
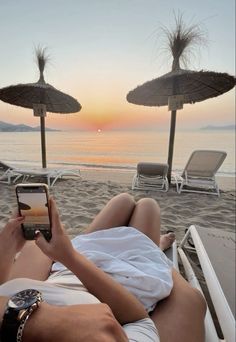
(146, 218)
(125, 198)
(149, 203)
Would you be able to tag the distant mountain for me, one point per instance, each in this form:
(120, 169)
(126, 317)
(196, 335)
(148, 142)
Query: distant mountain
(7, 127)
(217, 128)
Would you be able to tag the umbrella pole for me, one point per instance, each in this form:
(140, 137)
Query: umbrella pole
(43, 141)
(171, 143)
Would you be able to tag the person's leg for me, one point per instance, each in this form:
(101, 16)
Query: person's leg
(31, 263)
(180, 317)
(122, 210)
(146, 218)
(116, 213)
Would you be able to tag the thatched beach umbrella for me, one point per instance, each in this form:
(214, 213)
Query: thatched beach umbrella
(41, 97)
(180, 86)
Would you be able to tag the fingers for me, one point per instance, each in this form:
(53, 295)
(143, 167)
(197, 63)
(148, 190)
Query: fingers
(14, 223)
(55, 218)
(15, 213)
(40, 241)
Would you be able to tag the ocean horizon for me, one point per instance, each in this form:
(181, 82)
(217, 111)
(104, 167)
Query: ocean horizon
(114, 149)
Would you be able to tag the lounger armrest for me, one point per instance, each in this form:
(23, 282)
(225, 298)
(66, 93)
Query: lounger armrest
(220, 302)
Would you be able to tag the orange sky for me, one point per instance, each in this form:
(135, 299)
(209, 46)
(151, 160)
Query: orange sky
(105, 114)
(99, 52)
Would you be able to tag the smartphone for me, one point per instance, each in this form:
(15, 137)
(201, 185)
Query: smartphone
(33, 204)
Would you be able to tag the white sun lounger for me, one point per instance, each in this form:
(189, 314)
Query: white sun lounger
(9, 173)
(151, 176)
(199, 172)
(215, 250)
(172, 254)
(52, 175)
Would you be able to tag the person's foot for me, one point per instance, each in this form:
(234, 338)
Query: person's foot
(166, 240)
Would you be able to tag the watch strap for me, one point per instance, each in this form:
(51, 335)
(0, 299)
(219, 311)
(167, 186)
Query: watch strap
(22, 325)
(9, 327)
(12, 328)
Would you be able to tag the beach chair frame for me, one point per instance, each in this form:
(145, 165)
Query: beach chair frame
(9, 173)
(52, 175)
(172, 254)
(200, 180)
(224, 314)
(12, 174)
(151, 176)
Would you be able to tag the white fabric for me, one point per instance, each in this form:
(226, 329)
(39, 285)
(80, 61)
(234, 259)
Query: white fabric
(52, 293)
(59, 294)
(143, 330)
(131, 258)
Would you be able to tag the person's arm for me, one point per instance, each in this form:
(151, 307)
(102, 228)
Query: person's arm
(91, 322)
(11, 242)
(125, 307)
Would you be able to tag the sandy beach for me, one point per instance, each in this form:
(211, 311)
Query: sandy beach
(79, 200)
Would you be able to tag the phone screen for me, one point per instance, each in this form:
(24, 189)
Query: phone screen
(33, 205)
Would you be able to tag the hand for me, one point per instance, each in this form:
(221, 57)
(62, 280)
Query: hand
(11, 242)
(59, 248)
(11, 237)
(90, 322)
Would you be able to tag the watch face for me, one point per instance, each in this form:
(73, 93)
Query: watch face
(24, 299)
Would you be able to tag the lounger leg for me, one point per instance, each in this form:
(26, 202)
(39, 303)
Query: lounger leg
(48, 181)
(134, 182)
(18, 177)
(166, 185)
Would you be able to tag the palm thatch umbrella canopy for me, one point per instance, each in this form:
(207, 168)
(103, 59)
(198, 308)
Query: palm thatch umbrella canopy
(180, 86)
(41, 97)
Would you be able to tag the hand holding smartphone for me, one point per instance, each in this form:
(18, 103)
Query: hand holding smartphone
(33, 204)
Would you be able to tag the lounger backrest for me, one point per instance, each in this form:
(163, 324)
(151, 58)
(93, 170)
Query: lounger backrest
(4, 166)
(152, 169)
(204, 163)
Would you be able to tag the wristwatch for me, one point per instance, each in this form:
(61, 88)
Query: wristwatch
(19, 308)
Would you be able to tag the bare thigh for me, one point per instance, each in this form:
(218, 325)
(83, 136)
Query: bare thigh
(146, 218)
(180, 317)
(122, 210)
(31, 263)
(116, 213)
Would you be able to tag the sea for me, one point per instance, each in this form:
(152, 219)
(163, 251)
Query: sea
(120, 150)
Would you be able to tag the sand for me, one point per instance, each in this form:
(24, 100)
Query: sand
(79, 200)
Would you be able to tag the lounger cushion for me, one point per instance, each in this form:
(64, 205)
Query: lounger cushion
(152, 169)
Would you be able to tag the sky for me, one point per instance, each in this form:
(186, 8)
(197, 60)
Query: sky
(101, 49)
